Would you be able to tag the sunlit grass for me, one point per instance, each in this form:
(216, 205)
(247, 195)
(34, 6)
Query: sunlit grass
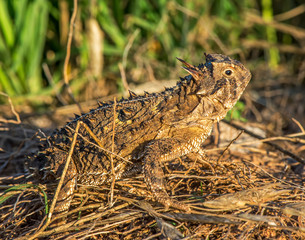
(31, 33)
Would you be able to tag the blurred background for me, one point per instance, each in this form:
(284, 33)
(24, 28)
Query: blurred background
(122, 44)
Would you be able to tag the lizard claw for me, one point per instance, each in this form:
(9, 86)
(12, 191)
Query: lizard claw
(175, 204)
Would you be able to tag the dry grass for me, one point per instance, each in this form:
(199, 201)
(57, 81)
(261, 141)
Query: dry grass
(247, 193)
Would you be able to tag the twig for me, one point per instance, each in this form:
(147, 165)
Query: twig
(299, 125)
(185, 10)
(112, 150)
(68, 53)
(291, 13)
(289, 137)
(227, 147)
(99, 143)
(91, 134)
(262, 44)
(297, 158)
(123, 76)
(150, 72)
(81, 221)
(128, 46)
(17, 121)
(273, 177)
(59, 185)
(123, 65)
(49, 77)
(297, 32)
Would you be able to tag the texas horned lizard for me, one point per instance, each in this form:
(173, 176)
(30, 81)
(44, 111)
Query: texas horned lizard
(149, 129)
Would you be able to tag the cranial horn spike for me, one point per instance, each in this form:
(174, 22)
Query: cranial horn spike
(185, 63)
(193, 71)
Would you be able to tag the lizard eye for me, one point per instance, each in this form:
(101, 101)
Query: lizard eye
(228, 72)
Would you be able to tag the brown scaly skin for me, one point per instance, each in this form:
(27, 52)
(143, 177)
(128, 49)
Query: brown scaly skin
(149, 130)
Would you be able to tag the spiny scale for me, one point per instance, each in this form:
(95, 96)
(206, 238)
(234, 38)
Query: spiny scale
(149, 129)
(132, 94)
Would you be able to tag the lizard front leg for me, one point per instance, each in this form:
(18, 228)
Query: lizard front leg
(180, 141)
(158, 151)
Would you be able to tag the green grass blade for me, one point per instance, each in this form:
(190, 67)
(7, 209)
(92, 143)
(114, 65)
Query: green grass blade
(39, 20)
(110, 26)
(267, 12)
(5, 83)
(21, 187)
(6, 24)
(19, 12)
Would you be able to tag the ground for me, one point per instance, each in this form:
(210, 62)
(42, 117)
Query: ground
(250, 184)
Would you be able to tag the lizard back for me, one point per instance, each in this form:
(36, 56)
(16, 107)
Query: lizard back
(172, 123)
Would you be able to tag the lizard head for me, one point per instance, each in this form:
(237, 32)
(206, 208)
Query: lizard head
(221, 79)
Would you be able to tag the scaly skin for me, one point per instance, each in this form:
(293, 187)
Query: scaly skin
(149, 130)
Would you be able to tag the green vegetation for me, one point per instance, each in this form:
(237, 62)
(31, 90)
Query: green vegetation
(145, 36)
(23, 30)
(270, 33)
(21, 189)
(236, 112)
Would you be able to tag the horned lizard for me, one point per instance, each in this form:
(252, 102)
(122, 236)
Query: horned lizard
(149, 129)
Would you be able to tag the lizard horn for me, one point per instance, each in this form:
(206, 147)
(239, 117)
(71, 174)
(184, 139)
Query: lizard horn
(193, 71)
(190, 69)
(185, 63)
